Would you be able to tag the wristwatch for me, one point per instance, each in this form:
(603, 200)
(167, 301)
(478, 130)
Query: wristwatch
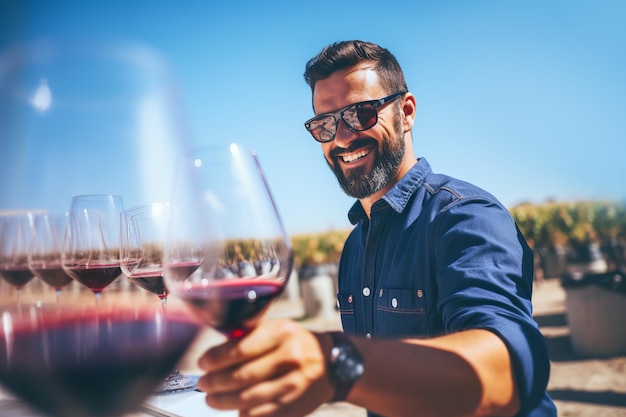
(345, 365)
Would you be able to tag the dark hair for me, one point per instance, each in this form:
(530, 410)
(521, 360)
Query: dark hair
(345, 54)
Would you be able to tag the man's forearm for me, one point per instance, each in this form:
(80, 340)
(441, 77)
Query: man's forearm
(463, 374)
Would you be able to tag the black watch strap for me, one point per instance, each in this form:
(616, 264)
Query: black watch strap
(345, 365)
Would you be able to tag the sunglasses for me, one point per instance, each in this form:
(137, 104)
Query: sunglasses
(357, 116)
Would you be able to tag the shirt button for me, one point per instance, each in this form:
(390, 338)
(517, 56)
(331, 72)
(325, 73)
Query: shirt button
(366, 291)
(394, 302)
(420, 293)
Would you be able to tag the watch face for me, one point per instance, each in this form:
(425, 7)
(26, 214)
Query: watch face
(348, 364)
(353, 368)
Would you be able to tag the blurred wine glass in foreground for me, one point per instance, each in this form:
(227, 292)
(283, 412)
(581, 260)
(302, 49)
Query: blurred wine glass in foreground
(143, 234)
(78, 117)
(45, 255)
(221, 201)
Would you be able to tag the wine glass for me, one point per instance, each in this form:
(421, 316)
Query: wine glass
(16, 232)
(143, 233)
(91, 248)
(45, 255)
(143, 230)
(222, 201)
(83, 116)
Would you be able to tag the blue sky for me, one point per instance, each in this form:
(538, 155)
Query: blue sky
(526, 99)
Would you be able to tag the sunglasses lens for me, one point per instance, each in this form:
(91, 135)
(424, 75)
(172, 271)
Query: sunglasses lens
(361, 116)
(323, 129)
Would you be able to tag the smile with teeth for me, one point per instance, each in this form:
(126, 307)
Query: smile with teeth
(355, 155)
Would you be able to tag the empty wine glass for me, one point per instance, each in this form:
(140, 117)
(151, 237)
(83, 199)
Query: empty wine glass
(143, 234)
(16, 232)
(91, 248)
(222, 201)
(45, 255)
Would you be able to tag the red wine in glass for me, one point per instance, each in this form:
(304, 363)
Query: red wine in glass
(52, 274)
(180, 271)
(231, 306)
(151, 281)
(18, 276)
(79, 365)
(95, 277)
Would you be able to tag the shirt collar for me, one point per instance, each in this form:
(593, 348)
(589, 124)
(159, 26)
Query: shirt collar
(398, 197)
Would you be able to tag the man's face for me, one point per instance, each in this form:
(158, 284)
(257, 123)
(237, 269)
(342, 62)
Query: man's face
(365, 163)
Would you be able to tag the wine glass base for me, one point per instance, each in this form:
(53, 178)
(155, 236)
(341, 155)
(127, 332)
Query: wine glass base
(177, 382)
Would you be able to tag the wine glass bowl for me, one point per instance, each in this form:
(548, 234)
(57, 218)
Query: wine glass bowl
(222, 203)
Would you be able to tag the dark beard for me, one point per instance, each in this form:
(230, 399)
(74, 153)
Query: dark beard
(361, 183)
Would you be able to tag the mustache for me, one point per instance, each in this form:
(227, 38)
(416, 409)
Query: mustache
(354, 145)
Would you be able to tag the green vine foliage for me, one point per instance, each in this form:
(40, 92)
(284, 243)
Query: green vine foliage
(563, 223)
(318, 248)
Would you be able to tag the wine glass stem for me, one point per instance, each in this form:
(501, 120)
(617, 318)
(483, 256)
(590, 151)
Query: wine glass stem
(164, 304)
(19, 300)
(97, 295)
(58, 294)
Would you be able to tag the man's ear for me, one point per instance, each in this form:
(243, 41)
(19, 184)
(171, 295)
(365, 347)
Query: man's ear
(408, 112)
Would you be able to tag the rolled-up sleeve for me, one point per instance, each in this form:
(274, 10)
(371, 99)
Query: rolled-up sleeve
(485, 274)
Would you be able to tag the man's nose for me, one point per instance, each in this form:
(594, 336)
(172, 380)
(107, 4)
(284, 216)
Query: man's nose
(344, 134)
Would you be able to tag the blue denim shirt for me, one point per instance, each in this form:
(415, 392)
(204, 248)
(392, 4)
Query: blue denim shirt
(439, 256)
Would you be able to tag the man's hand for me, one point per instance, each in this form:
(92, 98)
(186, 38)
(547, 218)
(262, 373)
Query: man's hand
(278, 369)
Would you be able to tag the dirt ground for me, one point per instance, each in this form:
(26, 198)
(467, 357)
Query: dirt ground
(580, 386)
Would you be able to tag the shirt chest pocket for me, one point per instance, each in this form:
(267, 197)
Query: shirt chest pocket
(346, 309)
(400, 313)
